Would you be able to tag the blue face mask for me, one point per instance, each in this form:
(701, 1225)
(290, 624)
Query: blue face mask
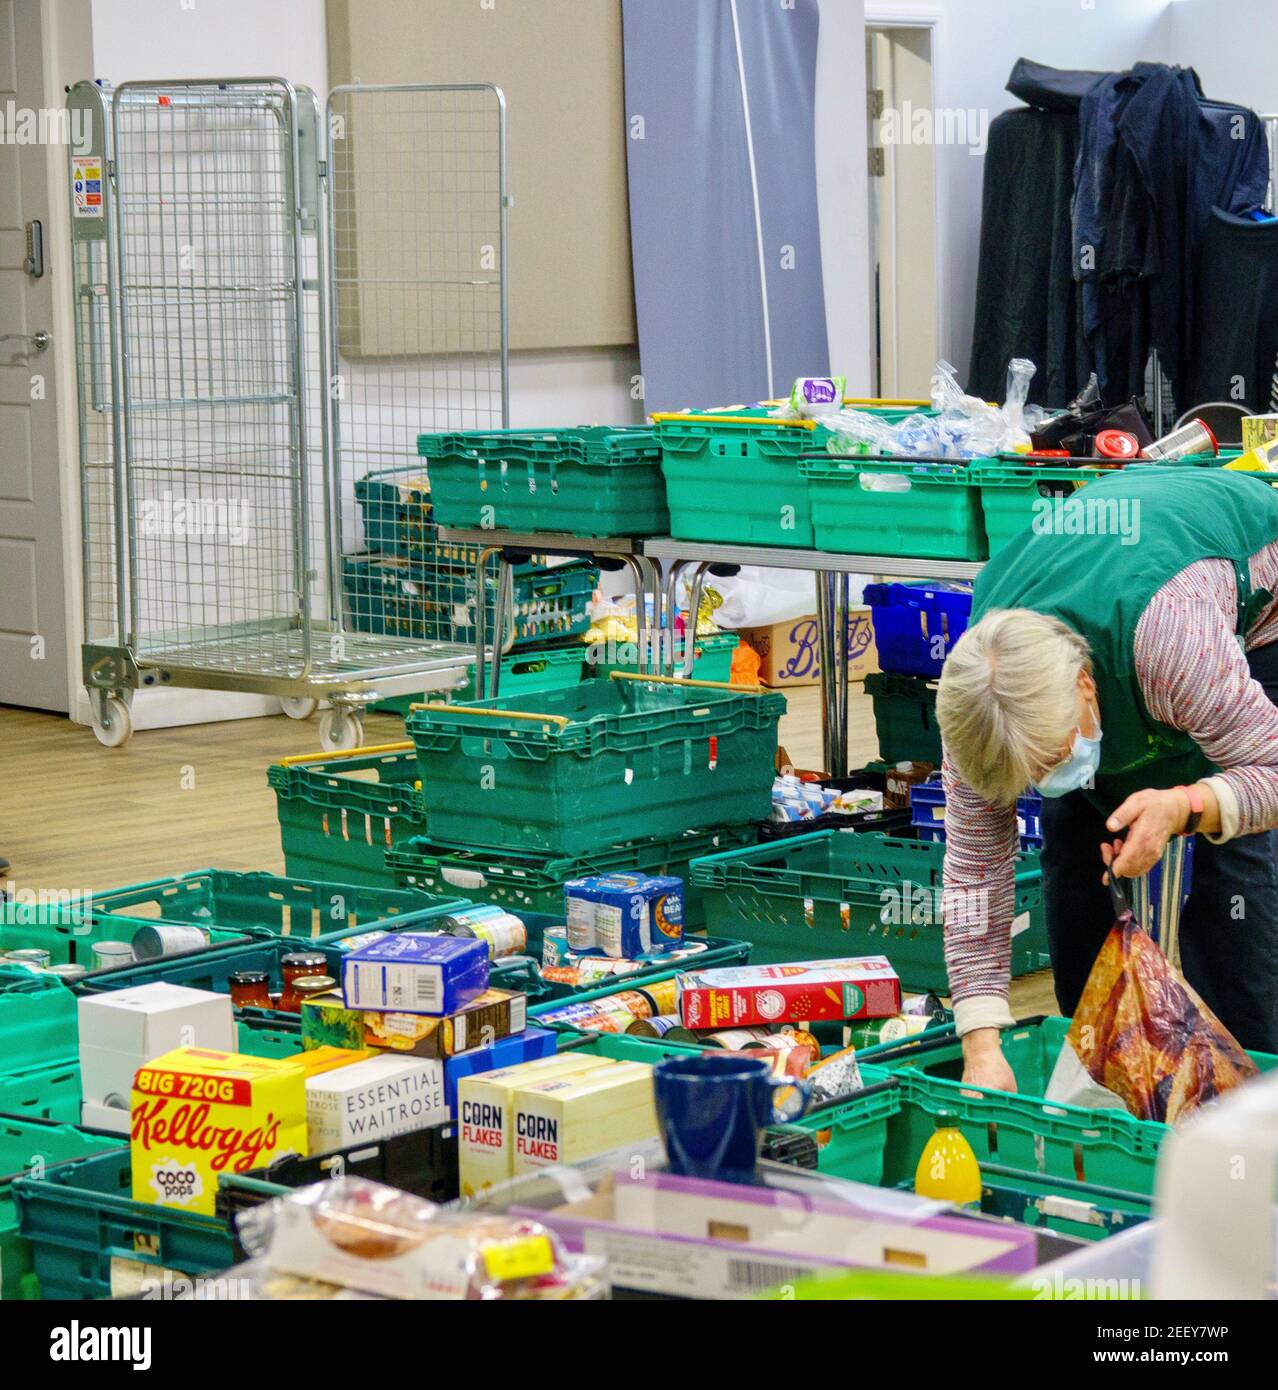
(1078, 770)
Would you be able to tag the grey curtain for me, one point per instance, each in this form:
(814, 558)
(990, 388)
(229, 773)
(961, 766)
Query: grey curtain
(726, 247)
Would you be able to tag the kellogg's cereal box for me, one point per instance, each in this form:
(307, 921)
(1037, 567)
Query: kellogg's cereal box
(197, 1113)
(806, 992)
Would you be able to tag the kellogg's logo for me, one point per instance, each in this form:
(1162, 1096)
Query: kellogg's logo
(176, 1184)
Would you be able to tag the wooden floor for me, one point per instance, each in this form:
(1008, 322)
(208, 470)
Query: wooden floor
(77, 816)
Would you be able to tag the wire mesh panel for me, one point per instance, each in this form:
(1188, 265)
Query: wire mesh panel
(417, 237)
(210, 291)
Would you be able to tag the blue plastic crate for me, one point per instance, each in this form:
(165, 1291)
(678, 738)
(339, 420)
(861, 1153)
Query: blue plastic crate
(927, 813)
(916, 625)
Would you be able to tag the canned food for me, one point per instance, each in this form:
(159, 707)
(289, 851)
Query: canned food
(663, 995)
(1194, 437)
(111, 953)
(667, 1026)
(167, 939)
(502, 932)
(554, 946)
(31, 955)
(68, 972)
(884, 1030)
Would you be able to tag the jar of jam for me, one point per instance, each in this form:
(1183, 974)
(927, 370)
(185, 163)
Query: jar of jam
(302, 963)
(249, 990)
(303, 987)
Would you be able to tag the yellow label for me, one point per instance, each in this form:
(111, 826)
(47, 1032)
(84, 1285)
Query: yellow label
(524, 1258)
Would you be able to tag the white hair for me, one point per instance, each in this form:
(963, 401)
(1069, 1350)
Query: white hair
(1007, 702)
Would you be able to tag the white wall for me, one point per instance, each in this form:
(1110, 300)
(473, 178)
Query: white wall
(1233, 45)
(976, 43)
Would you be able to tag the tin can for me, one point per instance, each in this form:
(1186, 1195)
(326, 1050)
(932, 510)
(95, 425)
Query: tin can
(167, 939)
(110, 953)
(734, 1039)
(31, 955)
(662, 994)
(667, 1026)
(502, 932)
(1193, 437)
(554, 946)
(884, 1030)
(68, 972)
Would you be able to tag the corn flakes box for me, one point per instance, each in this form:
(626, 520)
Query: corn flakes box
(196, 1112)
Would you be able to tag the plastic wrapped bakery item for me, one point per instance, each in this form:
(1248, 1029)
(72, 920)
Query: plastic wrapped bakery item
(256, 1282)
(1142, 1033)
(364, 1235)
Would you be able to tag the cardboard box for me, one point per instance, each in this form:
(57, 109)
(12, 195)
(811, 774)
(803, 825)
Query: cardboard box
(688, 1238)
(416, 973)
(484, 1120)
(495, 1014)
(373, 1100)
(790, 653)
(198, 1112)
(319, 1060)
(121, 1030)
(529, 1046)
(806, 992)
(570, 1118)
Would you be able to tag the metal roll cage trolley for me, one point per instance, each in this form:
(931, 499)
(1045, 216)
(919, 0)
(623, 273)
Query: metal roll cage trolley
(223, 298)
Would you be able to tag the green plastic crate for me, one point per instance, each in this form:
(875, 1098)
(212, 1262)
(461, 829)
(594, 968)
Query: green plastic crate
(37, 1020)
(826, 895)
(711, 658)
(574, 771)
(81, 1216)
(596, 481)
(49, 1090)
(70, 936)
(878, 1135)
(390, 596)
(1021, 1129)
(340, 813)
(27, 1145)
(269, 905)
(1012, 495)
(531, 670)
(532, 886)
(937, 517)
(905, 718)
(736, 478)
(396, 510)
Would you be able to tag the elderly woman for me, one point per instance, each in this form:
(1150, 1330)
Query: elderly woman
(1122, 661)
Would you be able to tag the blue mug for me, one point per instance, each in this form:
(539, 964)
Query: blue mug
(713, 1109)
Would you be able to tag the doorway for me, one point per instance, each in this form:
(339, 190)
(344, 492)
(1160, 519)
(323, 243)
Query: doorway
(902, 206)
(33, 561)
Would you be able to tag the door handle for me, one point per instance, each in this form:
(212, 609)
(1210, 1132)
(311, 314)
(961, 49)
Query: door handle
(39, 340)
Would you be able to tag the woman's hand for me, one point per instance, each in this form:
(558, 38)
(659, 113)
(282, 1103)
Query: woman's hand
(1150, 818)
(983, 1061)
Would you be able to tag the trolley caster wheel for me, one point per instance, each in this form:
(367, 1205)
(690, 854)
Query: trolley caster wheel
(299, 707)
(340, 730)
(112, 722)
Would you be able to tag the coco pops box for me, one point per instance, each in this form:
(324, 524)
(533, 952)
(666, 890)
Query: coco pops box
(805, 992)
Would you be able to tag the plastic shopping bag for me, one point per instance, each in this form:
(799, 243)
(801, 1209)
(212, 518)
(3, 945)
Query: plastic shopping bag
(1142, 1034)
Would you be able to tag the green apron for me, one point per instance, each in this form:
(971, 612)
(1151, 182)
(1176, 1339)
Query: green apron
(1096, 558)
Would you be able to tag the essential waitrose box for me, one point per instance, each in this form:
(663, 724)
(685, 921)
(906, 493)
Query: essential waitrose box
(416, 973)
(805, 992)
(373, 1100)
(198, 1112)
(484, 1118)
(495, 1014)
(567, 1119)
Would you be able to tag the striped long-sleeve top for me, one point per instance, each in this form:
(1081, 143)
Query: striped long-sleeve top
(1194, 677)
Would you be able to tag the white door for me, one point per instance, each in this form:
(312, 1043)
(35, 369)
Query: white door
(33, 649)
